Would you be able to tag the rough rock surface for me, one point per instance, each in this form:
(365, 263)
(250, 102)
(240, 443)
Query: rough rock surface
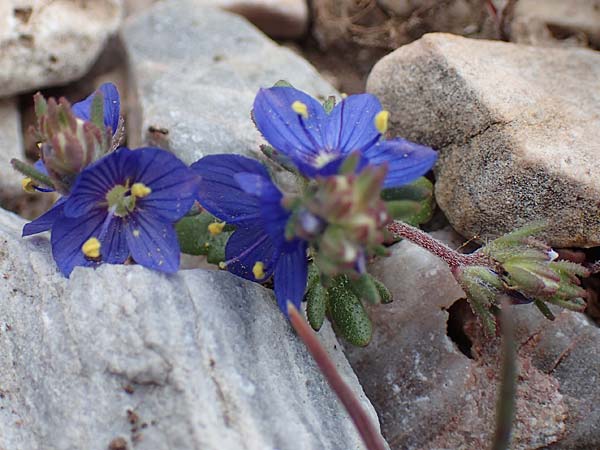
(429, 394)
(125, 356)
(556, 22)
(11, 146)
(516, 127)
(195, 88)
(49, 43)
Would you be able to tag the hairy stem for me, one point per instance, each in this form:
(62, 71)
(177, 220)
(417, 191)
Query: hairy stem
(369, 433)
(451, 257)
(505, 409)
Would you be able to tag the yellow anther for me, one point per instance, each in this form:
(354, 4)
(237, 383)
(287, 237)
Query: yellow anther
(381, 121)
(343, 95)
(259, 270)
(91, 248)
(222, 265)
(28, 185)
(140, 190)
(300, 108)
(39, 144)
(216, 228)
(136, 233)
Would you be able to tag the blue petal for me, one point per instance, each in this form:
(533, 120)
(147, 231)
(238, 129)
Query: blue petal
(351, 124)
(46, 220)
(406, 160)
(246, 247)
(68, 235)
(220, 194)
(174, 185)
(152, 242)
(299, 139)
(96, 180)
(41, 167)
(274, 216)
(291, 275)
(112, 106)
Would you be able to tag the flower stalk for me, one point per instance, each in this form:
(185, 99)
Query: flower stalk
(363, 422)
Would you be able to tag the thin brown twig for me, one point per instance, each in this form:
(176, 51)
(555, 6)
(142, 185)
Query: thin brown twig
(368, 431)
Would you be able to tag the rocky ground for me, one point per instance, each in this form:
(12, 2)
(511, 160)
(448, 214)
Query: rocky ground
(124, 358)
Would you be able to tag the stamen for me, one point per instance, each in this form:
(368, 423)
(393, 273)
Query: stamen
(216, 228)
(381, 121)
(259, 270)
(136, 233)
(300, 109)
(91, 248)
(140, 190)
(39, 145)
(28, 185)
(222, 265)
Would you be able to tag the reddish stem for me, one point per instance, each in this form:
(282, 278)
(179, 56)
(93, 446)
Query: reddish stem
(451, 257)
(369, 433)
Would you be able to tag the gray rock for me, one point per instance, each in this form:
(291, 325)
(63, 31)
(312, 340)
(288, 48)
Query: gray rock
(280, 19)
(124, 355)
(194, 88)
(11, 146)
(431, 395)
(516, 127)
(49, 43)
(556, 23)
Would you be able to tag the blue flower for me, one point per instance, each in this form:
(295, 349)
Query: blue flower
(123, 205)
(112, 106)
(239, 191)
(297, 125)
(82, 110)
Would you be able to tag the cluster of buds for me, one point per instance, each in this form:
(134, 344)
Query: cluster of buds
(525, 269)
(68, 143)
(344, 217)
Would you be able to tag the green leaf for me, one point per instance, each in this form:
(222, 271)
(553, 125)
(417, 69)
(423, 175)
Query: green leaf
(329, 104)
(384, 292)
(316, 306)
(544, 309)
(348, 314)
(283, 83)
(418, 190)
(97, 112)
(31, 172)
(365, 289)
(195, 238)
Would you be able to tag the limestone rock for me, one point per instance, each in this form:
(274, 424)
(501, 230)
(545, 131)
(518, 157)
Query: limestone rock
(11, 146)
(126, 356)
(49, 43)
(195, 88)
(556, 23)
(516, 128)
(431, 394)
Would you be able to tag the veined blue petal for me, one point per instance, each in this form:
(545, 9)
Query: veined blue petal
(245, 248)
(220, 194)
(174, 186)
(112, 106)
(291, 276)
(46, 220)
(300, 139)
(351, 124)
(68, 236)
(274, 216)
(97, 179)
(152, 242)
(406, 160)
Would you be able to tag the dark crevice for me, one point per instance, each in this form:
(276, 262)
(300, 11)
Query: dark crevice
(458, 315)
